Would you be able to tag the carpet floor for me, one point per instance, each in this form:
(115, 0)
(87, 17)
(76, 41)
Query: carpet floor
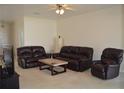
(33, 78)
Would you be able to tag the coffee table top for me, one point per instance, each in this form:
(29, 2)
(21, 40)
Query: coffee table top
(53, 62)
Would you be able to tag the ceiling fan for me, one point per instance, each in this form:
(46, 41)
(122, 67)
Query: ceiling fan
(60, 8)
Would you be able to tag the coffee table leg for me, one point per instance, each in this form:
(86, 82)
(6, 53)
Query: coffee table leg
(65, 66)
(52, 71)
(40, 67)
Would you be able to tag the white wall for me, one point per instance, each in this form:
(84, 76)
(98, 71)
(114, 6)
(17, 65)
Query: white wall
(5, 37)
(123, 24)
(122, 67)
(98, 29)
(17, 27)
(38, 31)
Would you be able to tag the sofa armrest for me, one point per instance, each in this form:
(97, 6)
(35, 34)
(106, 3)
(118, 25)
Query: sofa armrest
(96, 62)
(113, 66)
(22, 62)
(54, 55)
(48, 55)
(20, 57)
(85, 61)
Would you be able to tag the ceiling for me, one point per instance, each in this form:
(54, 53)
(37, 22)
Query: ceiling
(11, 11)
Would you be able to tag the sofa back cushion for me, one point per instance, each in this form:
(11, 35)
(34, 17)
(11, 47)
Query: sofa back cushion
(76, 52)
(113, 54)
(38, 51)
(86, 51)
(24, 52)
(66, 49)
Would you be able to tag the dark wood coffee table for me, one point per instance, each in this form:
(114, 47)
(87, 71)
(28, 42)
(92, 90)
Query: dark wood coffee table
(52, 63)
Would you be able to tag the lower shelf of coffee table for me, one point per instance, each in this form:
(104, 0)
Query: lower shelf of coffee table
(51, 68)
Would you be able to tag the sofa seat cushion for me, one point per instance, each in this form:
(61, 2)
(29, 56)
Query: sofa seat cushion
(84, 58)
(98, 67)
(108, 62)
(74, 62)
(61, 58)
(73, 56)
(32, 60)
(73, 65)
(38, 54)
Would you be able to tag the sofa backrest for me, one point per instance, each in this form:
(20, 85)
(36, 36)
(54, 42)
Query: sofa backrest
(38, 51)
(24, 52)
(87, 51)
(113, 54)
(66, 49)
(76, 50)
(31, 51)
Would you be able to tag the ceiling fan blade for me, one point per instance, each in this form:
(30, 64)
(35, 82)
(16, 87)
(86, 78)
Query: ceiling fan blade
(65, 5)
(69, 8)
(53, 6)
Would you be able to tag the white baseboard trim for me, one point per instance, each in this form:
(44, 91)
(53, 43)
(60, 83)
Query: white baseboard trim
(121, 71)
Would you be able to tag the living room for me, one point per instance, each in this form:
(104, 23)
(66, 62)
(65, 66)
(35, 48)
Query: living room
(87, 26)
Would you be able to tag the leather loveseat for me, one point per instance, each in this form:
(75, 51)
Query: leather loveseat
(79, 58)
(28, 56)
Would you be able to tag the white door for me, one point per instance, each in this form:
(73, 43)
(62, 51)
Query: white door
(21, 38)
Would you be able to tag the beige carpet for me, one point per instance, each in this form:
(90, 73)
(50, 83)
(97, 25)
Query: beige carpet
(33, 78)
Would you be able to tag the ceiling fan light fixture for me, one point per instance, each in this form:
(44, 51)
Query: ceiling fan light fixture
(57, 11)
(61, 11)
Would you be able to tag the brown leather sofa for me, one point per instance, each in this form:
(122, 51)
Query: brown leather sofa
(28, 56)
(109, 65)
(79, 58)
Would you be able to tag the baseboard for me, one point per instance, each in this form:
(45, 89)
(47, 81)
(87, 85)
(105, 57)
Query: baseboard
(121, 71)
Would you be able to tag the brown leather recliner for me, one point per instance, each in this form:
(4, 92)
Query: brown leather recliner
(109, 65)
